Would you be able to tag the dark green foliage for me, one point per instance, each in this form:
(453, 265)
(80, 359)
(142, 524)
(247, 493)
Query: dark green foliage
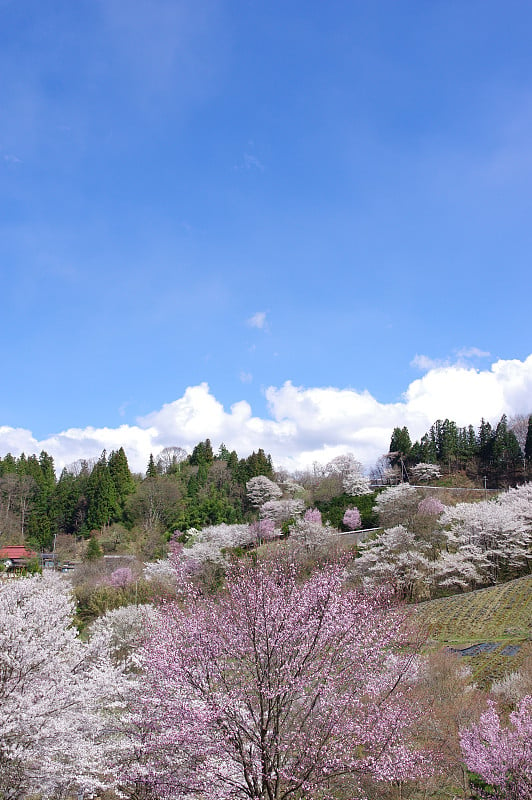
(8, 465)
(68, 503)
(94, 550)
(505, 447)
(479, 789)
(211, 510)
(29, 482)
(151, 471)
(400, 444)
(202, 454)
(494, 453)
(528, 443)
(121, 475)
(485, 441)
(256, 464)
(102, 499)
(223, 453)
(186, 494)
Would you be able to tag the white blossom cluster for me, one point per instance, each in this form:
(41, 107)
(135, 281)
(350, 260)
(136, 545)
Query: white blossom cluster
(58, 694)
(468, 545)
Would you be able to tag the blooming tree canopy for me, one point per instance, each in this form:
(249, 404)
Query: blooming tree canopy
(352, 518)
(354, 481)
(53, 688)
(430, 507)
(212, 542)
(263, 530)
(501, 529)
(396, 557)
(311, 532)
(261, 489)
(425, 472)
(281, 510)
(397, 505)
(502, 756)
(312, 515)
(121, 577)
(276, 688)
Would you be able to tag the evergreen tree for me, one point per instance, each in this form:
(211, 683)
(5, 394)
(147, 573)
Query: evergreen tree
(47, 470)
(485, 441)
(8, 465)
(121, 475)
(258, 463)
(102, 499)
(428, 453)
(202, 454)
(40, 526)
(232, 462)
(472, 444)
(64, 503)
(505, 447)
(400, 443)
(223, 453)
(94, 551)
(528, 442)
(151, 471)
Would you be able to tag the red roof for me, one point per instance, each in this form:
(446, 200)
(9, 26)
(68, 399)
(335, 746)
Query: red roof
(16, 551)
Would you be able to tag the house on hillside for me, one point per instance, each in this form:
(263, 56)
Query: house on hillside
(15, 558)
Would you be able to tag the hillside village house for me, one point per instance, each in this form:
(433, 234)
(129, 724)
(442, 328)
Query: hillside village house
(15, 558)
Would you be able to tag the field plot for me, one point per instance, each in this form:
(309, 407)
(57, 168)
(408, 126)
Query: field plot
(492, 627)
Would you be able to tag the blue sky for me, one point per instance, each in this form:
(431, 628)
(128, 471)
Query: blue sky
(243, 194)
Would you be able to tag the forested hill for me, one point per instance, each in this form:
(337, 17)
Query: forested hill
(177, 491)
(180, 491)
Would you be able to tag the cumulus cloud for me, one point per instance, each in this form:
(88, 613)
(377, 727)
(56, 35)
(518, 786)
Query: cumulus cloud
(258, 320)
(304, 424)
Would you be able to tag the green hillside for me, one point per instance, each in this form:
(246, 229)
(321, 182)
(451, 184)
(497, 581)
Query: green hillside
(500, 616)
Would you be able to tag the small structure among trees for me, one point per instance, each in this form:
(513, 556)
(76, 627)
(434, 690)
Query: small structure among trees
(16, 558)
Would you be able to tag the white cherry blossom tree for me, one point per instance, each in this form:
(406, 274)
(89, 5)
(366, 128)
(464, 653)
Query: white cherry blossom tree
(54, 689)
(261, 489)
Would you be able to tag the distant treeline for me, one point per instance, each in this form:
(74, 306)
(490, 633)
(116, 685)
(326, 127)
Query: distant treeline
(181, 491)
(494, 452)
(178, 491)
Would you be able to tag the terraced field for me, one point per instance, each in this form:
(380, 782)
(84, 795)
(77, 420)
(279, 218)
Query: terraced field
(500, 616)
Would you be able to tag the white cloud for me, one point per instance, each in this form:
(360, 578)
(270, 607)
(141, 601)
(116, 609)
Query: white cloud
(246, 377)
(472, 352)
(304, 424)
(258, 320)
(425, 363)
(462, 358)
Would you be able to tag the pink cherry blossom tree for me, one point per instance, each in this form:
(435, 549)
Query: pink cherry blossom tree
(121, 577)
(312, 515)
(263, 530)
(502, 756)
(277, 688)
(430, 507)
(352, 518)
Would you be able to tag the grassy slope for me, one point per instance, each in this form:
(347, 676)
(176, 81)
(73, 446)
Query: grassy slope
(500, 614)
